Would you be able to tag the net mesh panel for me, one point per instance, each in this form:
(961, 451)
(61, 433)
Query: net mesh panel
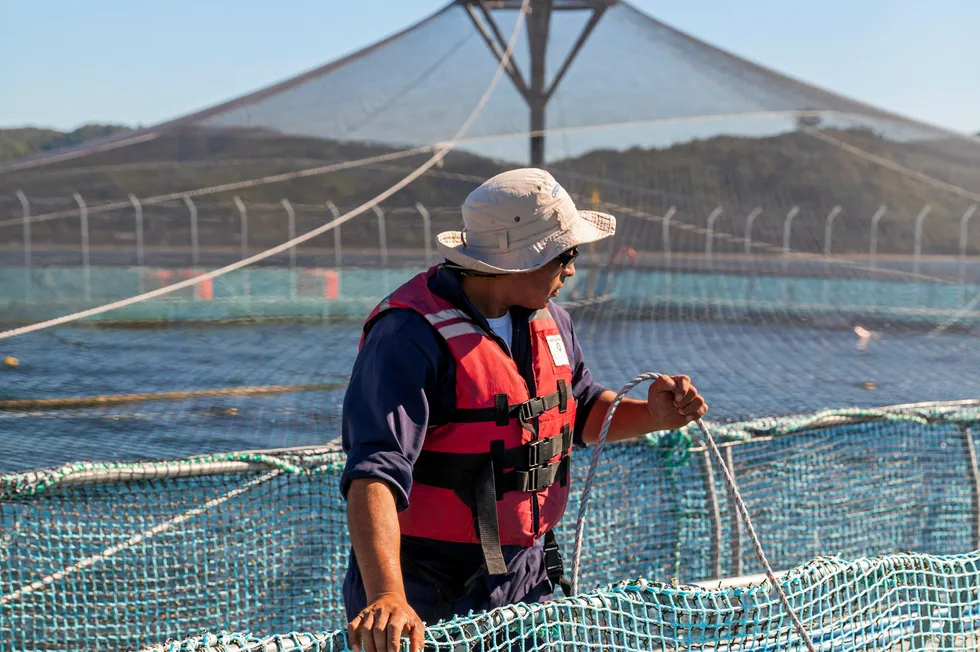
(124, 555)
(901, 602)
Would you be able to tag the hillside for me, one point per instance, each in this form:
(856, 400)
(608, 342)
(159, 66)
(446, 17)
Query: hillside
(25, 142)
(774, 173)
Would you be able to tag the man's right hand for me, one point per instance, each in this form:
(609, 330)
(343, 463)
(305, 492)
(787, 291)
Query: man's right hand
(380, 626)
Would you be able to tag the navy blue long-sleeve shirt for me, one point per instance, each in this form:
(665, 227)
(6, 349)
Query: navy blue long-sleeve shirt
(403, 382)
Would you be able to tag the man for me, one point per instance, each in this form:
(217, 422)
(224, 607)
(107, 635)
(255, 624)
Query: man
(465, 399)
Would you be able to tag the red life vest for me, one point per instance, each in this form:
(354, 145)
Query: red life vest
(498, 473)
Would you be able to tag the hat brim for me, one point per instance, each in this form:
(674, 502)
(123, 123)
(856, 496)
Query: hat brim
(591, 227)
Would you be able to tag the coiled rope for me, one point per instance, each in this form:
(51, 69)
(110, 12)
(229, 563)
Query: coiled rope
(729, 480)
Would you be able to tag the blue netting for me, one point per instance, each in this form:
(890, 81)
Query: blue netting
(129, 554)
(895, 602)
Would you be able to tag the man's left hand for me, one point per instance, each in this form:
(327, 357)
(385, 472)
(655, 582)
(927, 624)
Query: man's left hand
(674, 402)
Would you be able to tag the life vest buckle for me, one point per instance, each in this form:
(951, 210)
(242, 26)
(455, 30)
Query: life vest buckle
(553, 562)
(531, 408)
(535, 456)
(537, 478)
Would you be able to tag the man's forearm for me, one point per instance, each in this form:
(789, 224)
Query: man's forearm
(632, 419)
(372, 517)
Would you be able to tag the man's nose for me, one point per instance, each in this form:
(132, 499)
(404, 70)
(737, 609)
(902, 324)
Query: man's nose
(568, 270)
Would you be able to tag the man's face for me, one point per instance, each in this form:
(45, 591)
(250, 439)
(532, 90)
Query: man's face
(535, 289)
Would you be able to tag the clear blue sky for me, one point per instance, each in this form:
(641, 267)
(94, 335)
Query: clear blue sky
(67, 62)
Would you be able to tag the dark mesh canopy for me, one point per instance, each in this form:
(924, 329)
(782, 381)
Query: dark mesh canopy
(615, 67)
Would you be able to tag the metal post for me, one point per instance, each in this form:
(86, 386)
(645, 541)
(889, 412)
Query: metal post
(736, 519)
(827, 242)
(828, 230)
(338, 261)
(243, 221)
(974, 470)
(965, 588)
(917, 253)
(964, 224)
(538, 26)
(26, 211)
(192, 209)
(666, 231)
(874, 234)
(426, 231)
(748, 228)
(787, 233)
(138, 213)
(593, 256)
(714, 513)
(709, 237)
(536, 92)
(86, 271)
(749, 221)
(291, 215)
(537, 132)
(667, 256)
(383, 243)
(243, 226)
(382, 235)
(787, 230)
(880, 213)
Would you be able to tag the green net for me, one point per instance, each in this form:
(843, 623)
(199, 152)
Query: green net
(895, 602)
(125, 555)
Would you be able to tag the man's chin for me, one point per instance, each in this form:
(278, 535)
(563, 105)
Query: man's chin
(538, 306)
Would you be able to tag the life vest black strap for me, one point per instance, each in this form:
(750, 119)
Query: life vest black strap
(488, 491)
(554, 565)
(502, 412)
(536, 478)
(488, 529)
(479, 480)
(457, 471)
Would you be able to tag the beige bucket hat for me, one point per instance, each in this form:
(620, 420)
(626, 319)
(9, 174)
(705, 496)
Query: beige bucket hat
(519, 221)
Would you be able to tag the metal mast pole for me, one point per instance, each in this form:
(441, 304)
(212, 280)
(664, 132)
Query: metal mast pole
(536, 91)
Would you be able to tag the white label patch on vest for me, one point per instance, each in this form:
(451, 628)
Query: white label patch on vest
(558, 352)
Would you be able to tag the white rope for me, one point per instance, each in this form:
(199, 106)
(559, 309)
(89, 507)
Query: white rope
(225, 187)
(676, 223)
(325, 169)
(111, 551)
(707, 117)
(891, 165)
(438, 156)
(729, 480)
(960, 314)
(491, 138)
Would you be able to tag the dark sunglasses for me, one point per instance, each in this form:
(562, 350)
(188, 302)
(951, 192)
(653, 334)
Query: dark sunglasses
(566, 258)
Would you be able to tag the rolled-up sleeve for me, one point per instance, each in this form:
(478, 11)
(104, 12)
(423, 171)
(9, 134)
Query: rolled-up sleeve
(386, 411)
